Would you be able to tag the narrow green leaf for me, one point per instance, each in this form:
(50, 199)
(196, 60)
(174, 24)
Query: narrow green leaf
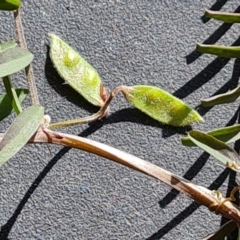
(220, 51)
(161, 105)
(13, 60)
(21, 130)
(216, 148)
(5, 103)
(77, 72)
(9, 44)
(224, 17)
(227, 134)
(11, 92)
(227, 97)
(10, 5)
(223, 231)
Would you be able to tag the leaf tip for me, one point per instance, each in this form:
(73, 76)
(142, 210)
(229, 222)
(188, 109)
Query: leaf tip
(206, 12)
(201, 119)
(198, 46)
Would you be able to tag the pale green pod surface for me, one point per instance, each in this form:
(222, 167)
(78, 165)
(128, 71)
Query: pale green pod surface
(161, 105)
(76, 71)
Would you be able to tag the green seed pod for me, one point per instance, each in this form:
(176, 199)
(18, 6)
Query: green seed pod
(77, 72)
(10, 5)
(161, 105)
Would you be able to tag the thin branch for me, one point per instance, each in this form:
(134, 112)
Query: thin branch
(211, 199)
(28, 70)
(100, 114)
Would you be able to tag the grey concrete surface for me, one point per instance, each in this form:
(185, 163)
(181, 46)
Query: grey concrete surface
(59, 193)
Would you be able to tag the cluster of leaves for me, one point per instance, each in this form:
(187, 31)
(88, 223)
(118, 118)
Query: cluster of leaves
(12, 60)
(216, 141)
(31, 126)
(153, 101)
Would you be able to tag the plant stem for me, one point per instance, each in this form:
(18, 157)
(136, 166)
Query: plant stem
(100, 114)
(28, 69)
(12, 94)
(198, 193)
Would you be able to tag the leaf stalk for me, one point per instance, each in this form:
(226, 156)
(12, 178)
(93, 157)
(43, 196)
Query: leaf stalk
(100, 114)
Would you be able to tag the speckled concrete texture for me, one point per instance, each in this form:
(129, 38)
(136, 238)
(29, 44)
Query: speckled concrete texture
(63, 194)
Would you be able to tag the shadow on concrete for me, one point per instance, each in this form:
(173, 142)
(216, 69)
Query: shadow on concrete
(6, 228)
(194, 55)
(215, 7)
(189, 210)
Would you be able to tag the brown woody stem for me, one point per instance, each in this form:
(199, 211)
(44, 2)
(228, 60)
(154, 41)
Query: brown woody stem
(198, 193)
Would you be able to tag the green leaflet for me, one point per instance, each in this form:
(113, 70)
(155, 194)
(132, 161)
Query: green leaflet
(161, 105)
(227, 97)
(9, 5)
(21, 130)
(227, 134)
(9, 44)
(13, 60)
(216, 148)
(5, 103)
(220, 51)
(79, 74)
(225, 17)
(11, 92)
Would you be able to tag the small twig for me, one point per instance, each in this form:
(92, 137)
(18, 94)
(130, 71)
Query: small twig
(100, 114)
(28, 69)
